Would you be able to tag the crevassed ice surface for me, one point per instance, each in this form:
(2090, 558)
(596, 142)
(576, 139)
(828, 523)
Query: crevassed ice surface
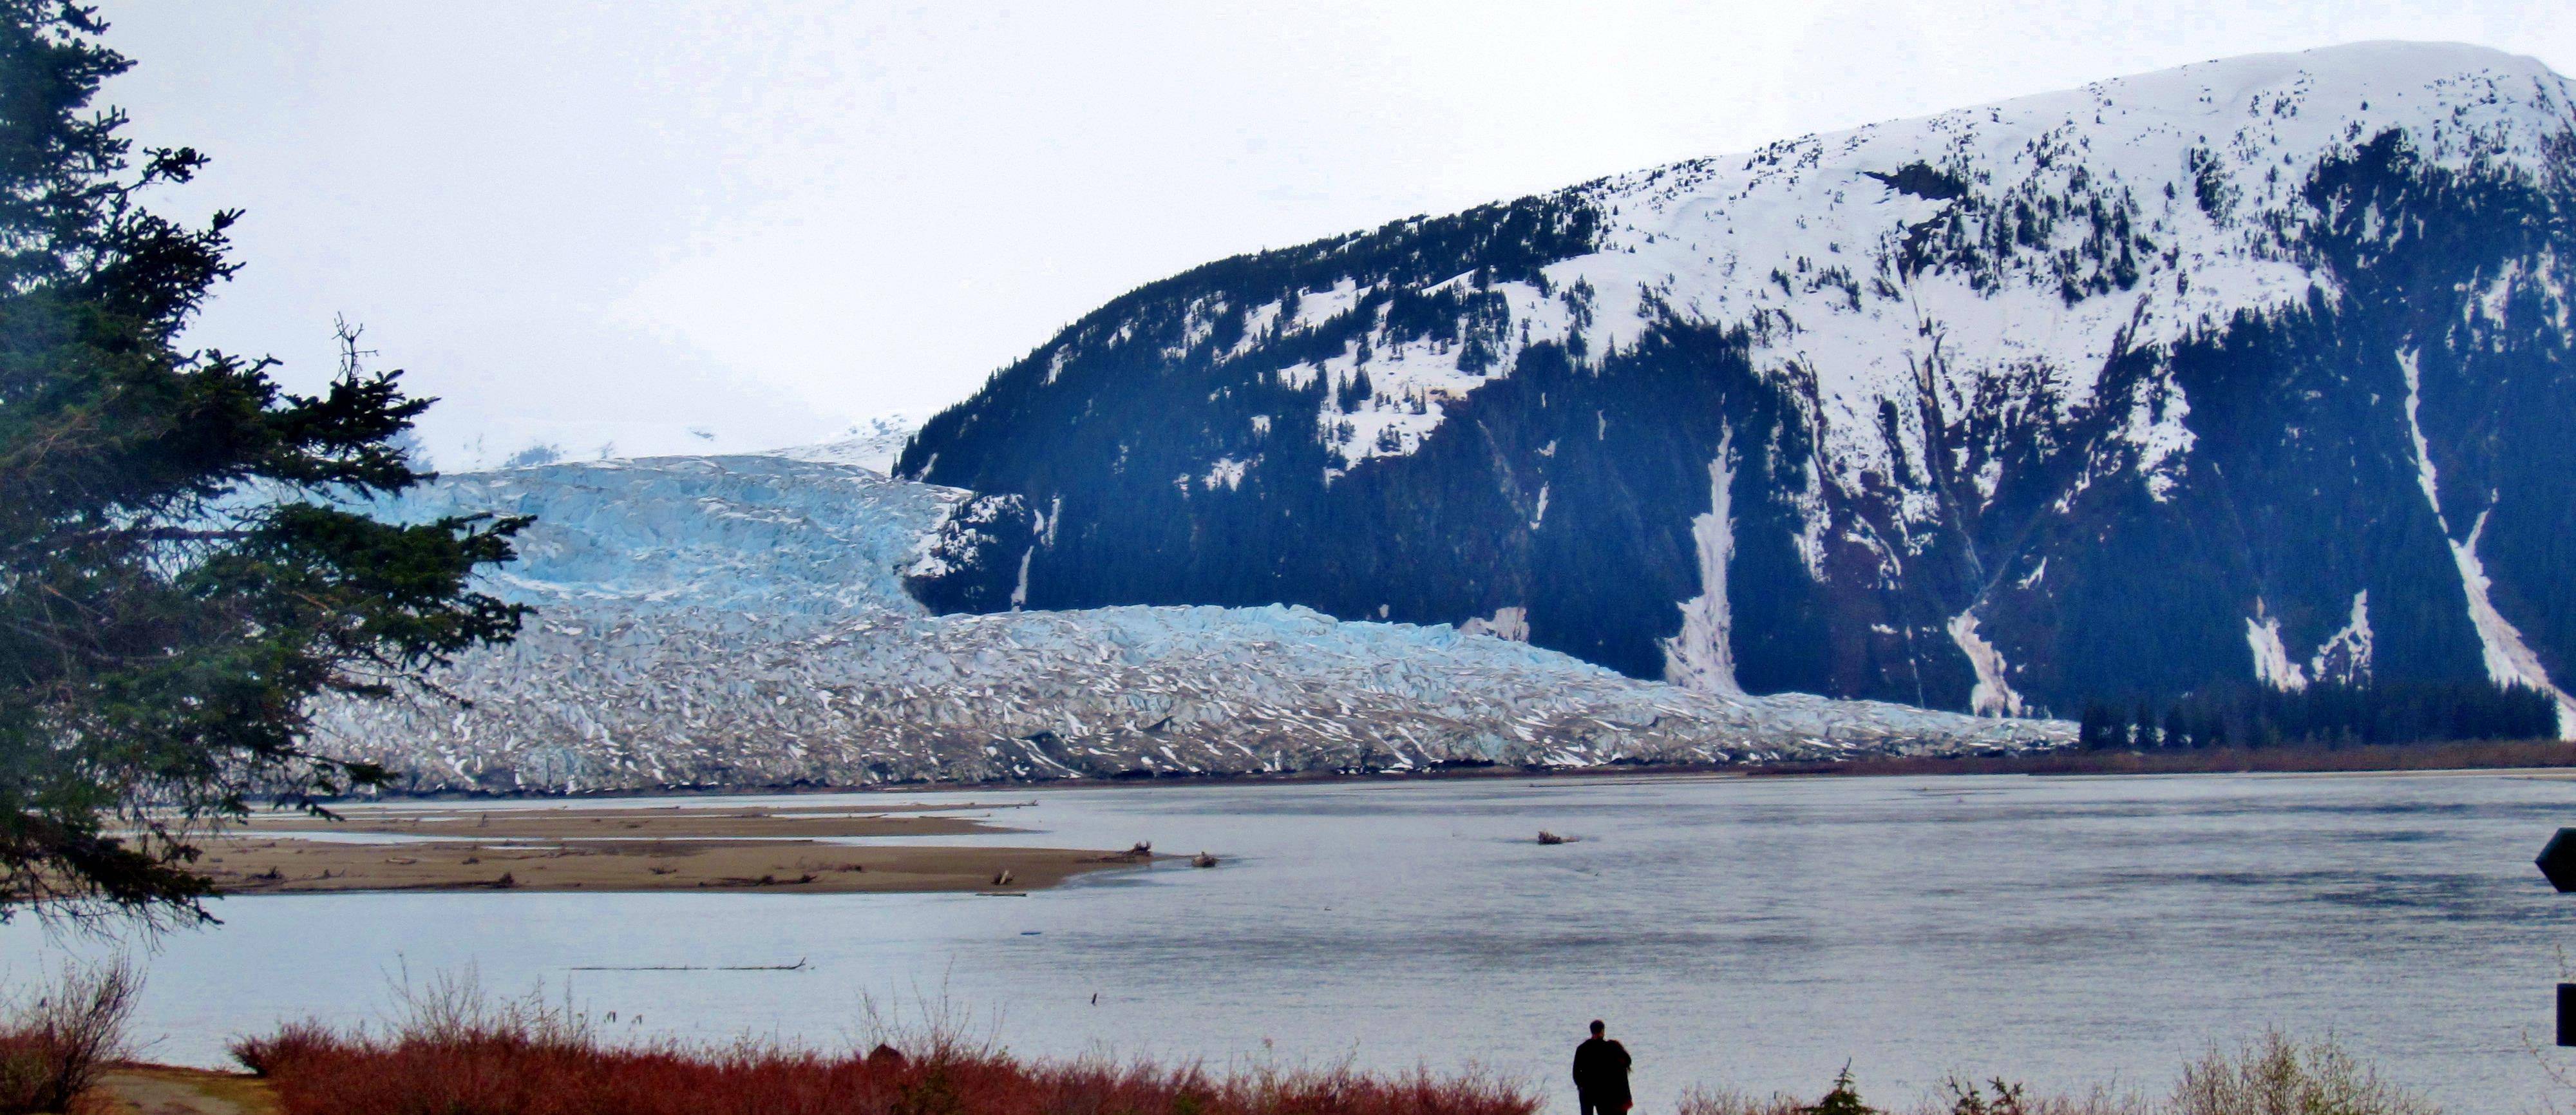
(741, 621)
(761, 533)
(1754, 933)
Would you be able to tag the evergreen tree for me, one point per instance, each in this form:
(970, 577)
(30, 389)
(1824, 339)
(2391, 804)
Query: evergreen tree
(1844, 1099)
(2093, 732)
(2329, 714)
(178, 574)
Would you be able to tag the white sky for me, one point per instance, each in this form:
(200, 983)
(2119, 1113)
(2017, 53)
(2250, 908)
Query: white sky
(591, 223)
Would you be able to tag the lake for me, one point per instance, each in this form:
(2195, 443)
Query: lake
(1754, 933)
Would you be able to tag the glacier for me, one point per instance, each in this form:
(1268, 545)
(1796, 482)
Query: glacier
(741, 621)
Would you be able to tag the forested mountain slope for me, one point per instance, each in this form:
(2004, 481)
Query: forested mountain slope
(2252, 372)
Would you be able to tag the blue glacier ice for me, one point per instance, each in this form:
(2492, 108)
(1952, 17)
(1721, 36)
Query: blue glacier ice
(740, 621)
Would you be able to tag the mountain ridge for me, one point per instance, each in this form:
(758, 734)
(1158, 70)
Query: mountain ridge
(2232, 374)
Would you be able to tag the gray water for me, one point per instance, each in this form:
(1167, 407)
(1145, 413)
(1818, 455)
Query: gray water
(1746, 933)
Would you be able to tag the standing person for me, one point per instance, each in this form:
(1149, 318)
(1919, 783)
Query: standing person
(1601, 1074)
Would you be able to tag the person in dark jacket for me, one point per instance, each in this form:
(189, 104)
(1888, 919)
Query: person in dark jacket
(1601, 1074)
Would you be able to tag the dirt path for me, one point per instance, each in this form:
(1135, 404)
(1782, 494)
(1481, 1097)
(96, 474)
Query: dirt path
(161, 1090)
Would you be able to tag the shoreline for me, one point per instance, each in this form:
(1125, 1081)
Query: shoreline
(2403, 758)
(2347, 759)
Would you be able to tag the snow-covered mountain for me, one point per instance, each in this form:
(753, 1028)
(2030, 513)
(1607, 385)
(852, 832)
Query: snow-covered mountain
(2252, 372)
(743, 621)
(873, 444)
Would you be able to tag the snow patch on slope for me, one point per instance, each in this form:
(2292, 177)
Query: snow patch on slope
(2509, 659)
(2344, 658)
(1993, 694)
(2272, 665)
(1506, 623)
(1315, 307)
(1226, 473)
(1702, 656)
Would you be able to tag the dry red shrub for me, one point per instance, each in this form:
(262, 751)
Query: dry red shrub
(502, 1071)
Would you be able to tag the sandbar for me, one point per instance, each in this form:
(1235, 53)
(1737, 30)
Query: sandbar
(665, 848)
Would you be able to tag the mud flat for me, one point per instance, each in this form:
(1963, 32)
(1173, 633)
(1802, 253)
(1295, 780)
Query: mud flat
(665, 848)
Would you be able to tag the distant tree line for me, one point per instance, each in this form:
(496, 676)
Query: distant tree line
(2256, 716)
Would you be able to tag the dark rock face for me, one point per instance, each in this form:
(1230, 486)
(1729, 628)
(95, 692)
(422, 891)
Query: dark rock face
(2221, 376)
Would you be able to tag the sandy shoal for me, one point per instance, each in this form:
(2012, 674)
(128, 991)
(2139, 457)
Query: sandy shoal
(257, 865)
(654, 848)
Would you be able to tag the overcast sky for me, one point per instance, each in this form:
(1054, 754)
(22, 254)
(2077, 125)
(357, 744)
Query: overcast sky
(593, 224)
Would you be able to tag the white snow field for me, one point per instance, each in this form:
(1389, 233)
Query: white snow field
(740, 621)
(1800, 242)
